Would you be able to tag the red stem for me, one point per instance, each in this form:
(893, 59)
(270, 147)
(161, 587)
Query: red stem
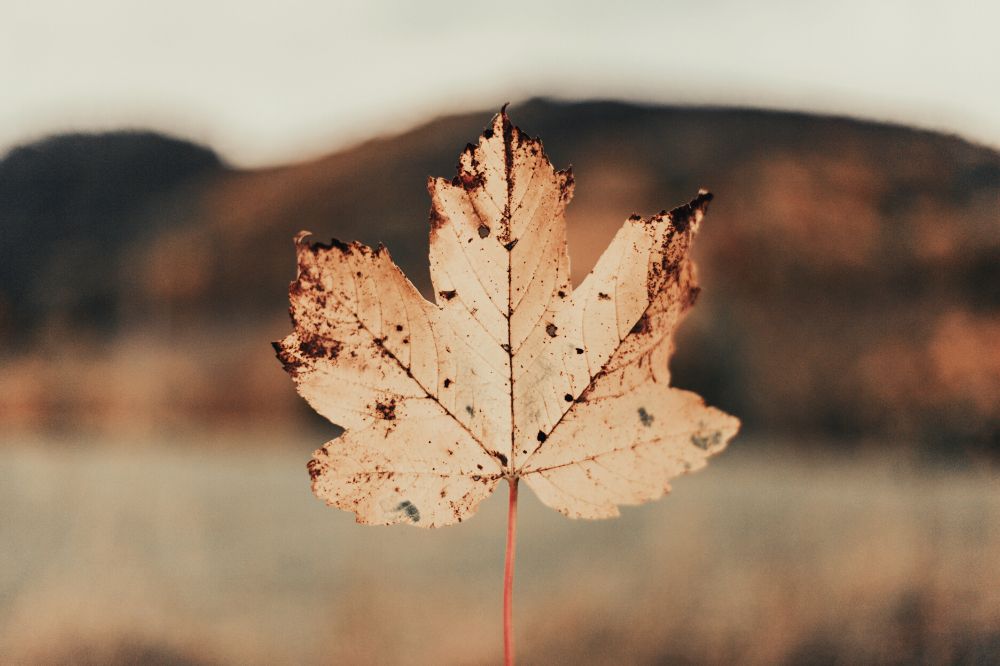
(508, 577)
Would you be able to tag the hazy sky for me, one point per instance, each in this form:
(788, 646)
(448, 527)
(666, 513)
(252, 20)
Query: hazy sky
(265, 82)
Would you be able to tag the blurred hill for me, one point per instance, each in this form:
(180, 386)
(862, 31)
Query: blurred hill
(68, 205)
(851, 270)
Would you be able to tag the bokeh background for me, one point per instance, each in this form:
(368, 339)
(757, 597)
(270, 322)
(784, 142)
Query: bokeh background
(157, 159)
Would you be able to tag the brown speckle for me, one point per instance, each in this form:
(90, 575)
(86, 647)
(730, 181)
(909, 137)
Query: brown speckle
(386, 410)
(484, 231)
(448, 295)
(551, 330)
(579, 350)
(602, 296)
(568, 398)
(291, 364)
(468, 180)
(437, 221)
(682, 215)
(447, 382)
(334, 243)
(542, 436)
(315, 348)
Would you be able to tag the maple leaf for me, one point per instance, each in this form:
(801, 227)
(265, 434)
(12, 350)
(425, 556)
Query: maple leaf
(512, 373)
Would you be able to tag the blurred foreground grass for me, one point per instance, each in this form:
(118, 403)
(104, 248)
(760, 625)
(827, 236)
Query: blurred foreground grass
(168, 553)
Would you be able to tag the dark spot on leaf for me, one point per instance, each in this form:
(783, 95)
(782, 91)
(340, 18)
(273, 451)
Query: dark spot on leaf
(488, 133)
(682, 215)
(448, 295)
(542, 436)
(411, 511)
(334, 243)
(645, 417)
(634, 218)
(399, 327)
(510, 246)
(505, 347)
(470, 410)
(443, 493)
(501, 457)
(568, 398)
(604, 297)
(706, 441)
(551, 330)
(468, 180)
(579, 350)
(561, 293)
(484, 231)
(386, 410)
(315, 348)
(478, 466)
(311, 347)
(447, 382)
(315, 469)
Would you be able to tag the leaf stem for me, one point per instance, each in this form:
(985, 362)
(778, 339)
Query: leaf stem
(508, 575)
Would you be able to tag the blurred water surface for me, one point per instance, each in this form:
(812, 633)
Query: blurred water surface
(176, 553)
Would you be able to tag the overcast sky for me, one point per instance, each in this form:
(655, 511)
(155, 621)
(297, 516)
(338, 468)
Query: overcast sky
(266, 82)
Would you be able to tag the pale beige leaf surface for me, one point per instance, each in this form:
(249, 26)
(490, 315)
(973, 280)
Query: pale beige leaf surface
(511, 373)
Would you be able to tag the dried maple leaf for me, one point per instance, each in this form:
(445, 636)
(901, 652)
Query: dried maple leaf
(512, 374)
